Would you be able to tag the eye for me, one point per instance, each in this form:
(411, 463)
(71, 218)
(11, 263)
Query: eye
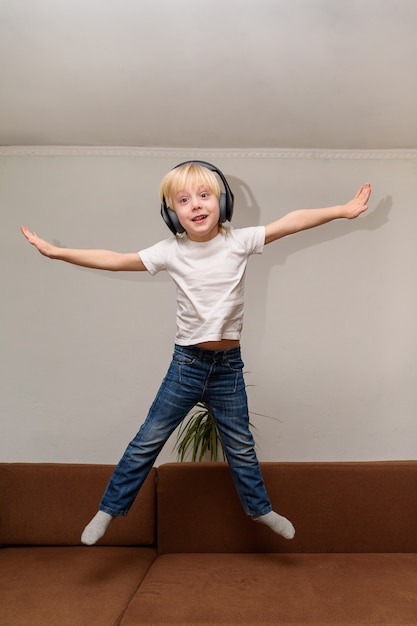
(205, 194)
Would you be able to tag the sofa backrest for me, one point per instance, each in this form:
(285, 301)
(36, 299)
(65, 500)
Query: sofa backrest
(50, 503)
(335, 507)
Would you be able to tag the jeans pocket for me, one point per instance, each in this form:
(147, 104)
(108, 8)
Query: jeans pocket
(182, 359)
(180, 363)
(235, 364)
(233, 374)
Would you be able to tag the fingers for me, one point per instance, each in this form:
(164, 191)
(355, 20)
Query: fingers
(29, 234)
(359, 204)
(364, 191)
(362, 197)
(26, 232)
(32, 238)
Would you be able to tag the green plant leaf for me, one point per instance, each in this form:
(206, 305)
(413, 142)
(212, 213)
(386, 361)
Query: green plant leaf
(198, 435)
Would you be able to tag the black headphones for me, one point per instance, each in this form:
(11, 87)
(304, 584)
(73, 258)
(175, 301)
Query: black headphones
(225, 202)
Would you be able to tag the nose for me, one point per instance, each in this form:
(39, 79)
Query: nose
(196, 203)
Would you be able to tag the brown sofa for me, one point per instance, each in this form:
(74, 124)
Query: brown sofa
(186, 553)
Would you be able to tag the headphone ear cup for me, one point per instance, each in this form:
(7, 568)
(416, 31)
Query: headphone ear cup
(171, 220)
(226, 207)
(223, 207)
(175, 221)
(229, 202)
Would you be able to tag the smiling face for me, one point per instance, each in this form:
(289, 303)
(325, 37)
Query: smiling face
(197, 209)
(193, 192)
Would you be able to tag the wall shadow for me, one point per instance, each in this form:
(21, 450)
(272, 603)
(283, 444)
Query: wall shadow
(247, 213)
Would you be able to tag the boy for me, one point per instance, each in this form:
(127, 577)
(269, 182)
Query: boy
(207, 261)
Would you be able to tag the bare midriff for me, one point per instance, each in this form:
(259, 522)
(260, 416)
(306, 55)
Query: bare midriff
(223, 344)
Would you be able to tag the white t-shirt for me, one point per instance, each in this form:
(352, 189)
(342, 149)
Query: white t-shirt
(209, 277)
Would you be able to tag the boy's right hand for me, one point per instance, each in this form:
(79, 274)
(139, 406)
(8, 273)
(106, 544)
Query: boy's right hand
(43, 246)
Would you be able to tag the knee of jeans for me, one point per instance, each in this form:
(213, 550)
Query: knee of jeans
(146, 440)
(241, 448)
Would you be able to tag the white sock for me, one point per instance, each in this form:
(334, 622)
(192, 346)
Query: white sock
(279, 524)
(96, 528)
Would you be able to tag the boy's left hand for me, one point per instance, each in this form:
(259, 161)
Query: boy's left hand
(359, 203)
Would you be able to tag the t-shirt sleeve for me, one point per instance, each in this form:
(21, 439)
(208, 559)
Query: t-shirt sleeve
(155, 257)
(253, 239)
(259, 239)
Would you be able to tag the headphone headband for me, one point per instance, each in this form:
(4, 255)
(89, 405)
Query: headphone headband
(225, 202)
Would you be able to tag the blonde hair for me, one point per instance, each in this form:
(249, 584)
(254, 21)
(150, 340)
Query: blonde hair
(178, 178)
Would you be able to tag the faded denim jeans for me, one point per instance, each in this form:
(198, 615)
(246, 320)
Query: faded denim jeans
(195, 374)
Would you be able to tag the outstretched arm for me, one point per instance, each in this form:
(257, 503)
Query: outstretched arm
(96, 259)
(309, 218)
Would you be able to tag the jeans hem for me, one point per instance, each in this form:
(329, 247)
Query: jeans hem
(112, 512)
(263, 512)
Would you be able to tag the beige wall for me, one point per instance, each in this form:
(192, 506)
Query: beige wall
(330, 329)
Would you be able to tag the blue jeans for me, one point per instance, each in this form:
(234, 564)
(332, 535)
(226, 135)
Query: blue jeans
(195, 374)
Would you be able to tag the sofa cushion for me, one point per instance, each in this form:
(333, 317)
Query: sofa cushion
(69, 586)
(335, 507)
(285, 589)
(50, 504)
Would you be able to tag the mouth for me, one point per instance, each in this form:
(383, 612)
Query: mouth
(199, 218)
